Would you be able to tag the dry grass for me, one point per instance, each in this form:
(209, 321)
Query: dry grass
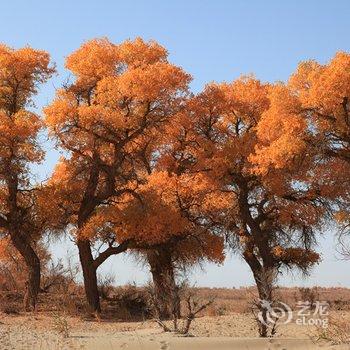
(238, 300)
(60, 324)
(337, 332)
(129, 303)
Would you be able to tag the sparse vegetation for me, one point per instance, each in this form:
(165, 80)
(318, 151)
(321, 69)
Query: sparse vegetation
(60, 323)
(185, 308)
(337, 332)
(309, 295)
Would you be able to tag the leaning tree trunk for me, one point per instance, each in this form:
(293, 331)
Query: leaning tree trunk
(90, 276)
(32, 262)
(165, 288)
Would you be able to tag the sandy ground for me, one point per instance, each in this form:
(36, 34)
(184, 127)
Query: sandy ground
(236, 331)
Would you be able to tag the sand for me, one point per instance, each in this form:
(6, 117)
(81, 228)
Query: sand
(236, 331)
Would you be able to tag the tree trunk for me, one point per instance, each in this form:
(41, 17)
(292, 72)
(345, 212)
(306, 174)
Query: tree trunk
(165, 288)
(90, 276)
(32, 262)
(265, 278)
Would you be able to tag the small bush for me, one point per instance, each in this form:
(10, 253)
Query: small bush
(310, 295)
(10, 308)
(105, 286)
(60, 324)
(129, 303)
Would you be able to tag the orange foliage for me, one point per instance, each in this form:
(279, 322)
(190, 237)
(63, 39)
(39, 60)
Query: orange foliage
(218, 134)
(21, 72)
(312, 110)
(115, 106)
(309, 121)
(116, 123)
(149, 164)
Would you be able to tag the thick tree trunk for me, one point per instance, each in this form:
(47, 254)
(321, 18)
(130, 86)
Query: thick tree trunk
(165, 288)
(32, 262)
(264, 278)
(265, 295)
(90, 276)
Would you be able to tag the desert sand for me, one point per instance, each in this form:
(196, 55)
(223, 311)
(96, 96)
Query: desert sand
(235, 331)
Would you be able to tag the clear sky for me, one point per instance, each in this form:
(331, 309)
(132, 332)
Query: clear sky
(212, 40)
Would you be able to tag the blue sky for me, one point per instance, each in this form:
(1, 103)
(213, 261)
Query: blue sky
(212, 40)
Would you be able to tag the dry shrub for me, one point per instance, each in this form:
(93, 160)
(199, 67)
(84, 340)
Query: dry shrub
(10, 308)
(337, 332)
(10, 281)
(340, 304)
(12, 268)
(127, 303)
(311, 295)
(187, 305)
(215, 310)
(237, 300)
(227, 300)
(13, 272)
(60, 324)
(11, 302)
(72, 305)
(55, 277)
(194, 308)
(105, 286)
(60, 290)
